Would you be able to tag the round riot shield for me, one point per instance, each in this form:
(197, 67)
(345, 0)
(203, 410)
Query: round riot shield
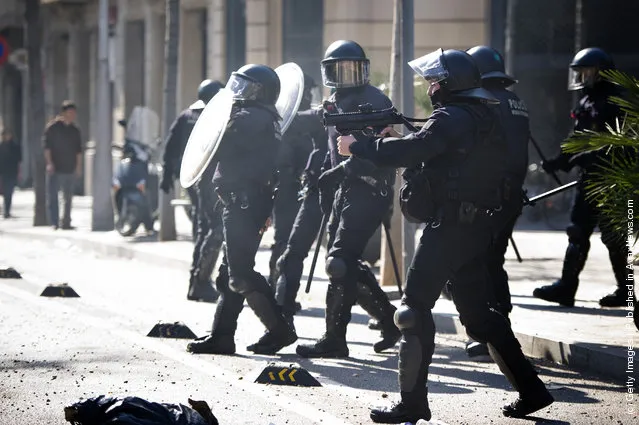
(206, 137)
(291, 91)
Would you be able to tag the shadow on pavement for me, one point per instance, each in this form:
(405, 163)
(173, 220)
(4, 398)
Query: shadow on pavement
(576, 310)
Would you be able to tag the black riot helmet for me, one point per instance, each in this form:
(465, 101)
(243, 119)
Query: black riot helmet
(255, 82)
(208, 89)
(205, 92)
(491, 65)
(456, 73)
(585, 67)
(345, 65)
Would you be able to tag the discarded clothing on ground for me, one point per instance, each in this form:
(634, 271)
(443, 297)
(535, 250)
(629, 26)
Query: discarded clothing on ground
(104, 410)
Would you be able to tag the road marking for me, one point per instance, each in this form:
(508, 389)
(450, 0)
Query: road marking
(286, 403)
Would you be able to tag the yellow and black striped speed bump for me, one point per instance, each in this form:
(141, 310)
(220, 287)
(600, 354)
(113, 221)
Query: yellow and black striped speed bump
(286, 374)
(59, 290)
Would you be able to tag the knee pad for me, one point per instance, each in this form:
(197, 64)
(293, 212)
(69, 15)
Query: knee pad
(575, 234)
(336, 268)
(407, 318)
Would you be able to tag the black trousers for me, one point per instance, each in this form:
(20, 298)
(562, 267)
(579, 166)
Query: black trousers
(291, 262)
(496, 256)
(193, 197)
(358, 210)
(285, 209)
(243, 220)
(585, 216)
(457, 253)
(209, 232)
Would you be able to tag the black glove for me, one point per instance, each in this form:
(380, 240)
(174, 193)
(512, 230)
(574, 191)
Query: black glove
(326, 201)
(167, 182)
(330, 179)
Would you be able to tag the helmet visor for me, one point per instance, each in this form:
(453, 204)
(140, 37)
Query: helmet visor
(431, 66)
(582, 77)
(345, 73)
(243, 88)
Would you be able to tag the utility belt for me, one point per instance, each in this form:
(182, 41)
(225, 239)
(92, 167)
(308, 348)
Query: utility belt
(420, 204)
(379, 186)
(243, 196)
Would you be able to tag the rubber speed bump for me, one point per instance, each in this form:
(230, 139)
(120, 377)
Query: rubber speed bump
(10, 273)
(171, 330)
(59, 290)
(286, 374)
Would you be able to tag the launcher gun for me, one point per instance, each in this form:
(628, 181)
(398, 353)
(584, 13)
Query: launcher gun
(366, 120)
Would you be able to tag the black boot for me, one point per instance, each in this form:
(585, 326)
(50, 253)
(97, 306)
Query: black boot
(212, 344)
(289, 267)
(407, 410)
(338, 314)
(506, 352)
(204, 292)
(229, 307)
(373, 299)
(624, 277)
(279, 332)
(563, 291)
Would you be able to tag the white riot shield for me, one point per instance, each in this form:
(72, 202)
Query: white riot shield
(206, 137)
(291, 91)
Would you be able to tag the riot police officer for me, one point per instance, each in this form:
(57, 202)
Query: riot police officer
(308, 218)
(593, 112)
(244, 182)
(516, 128)
(359, 195)
(297, 144)
(455, 170)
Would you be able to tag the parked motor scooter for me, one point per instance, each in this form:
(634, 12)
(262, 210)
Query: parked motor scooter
(135, 187)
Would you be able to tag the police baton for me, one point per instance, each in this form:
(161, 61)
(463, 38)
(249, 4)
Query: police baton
(514, 245)
(318, 245)
(543, 158)
(391, 250)
(534, 199)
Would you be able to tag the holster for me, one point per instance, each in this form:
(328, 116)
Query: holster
(228, 198)
(416, 197)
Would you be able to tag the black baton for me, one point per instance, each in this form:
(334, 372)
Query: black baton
(514, 245)
(543, 158)
(531, 201)
(318, 245)
(391, 250)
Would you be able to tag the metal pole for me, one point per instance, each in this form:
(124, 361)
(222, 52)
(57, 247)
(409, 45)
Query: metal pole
(387, 275)
(171, 57)
(511, 17)
(408, 109)
(102, 210)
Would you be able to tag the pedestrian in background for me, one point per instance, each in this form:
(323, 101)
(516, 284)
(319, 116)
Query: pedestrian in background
(63, 155)
(10, 159)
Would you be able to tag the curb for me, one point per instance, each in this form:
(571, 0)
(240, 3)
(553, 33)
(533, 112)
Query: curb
(607, 361)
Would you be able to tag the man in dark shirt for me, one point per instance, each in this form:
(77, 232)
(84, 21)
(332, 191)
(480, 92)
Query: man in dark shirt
(10, 158)
(63, 155)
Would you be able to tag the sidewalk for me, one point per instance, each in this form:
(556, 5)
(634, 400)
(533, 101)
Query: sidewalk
(585, 337)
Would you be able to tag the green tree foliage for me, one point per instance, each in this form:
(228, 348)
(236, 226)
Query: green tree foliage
(616, 186)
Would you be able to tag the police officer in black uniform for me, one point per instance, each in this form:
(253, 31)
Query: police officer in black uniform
(308, 219)
(244, 181)
(593, 112)
(297, 144)
(516, 127)
(207, 232)
(456, 166)
(359, 195)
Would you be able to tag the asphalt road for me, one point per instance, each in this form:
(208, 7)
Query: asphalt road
(55, 351)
